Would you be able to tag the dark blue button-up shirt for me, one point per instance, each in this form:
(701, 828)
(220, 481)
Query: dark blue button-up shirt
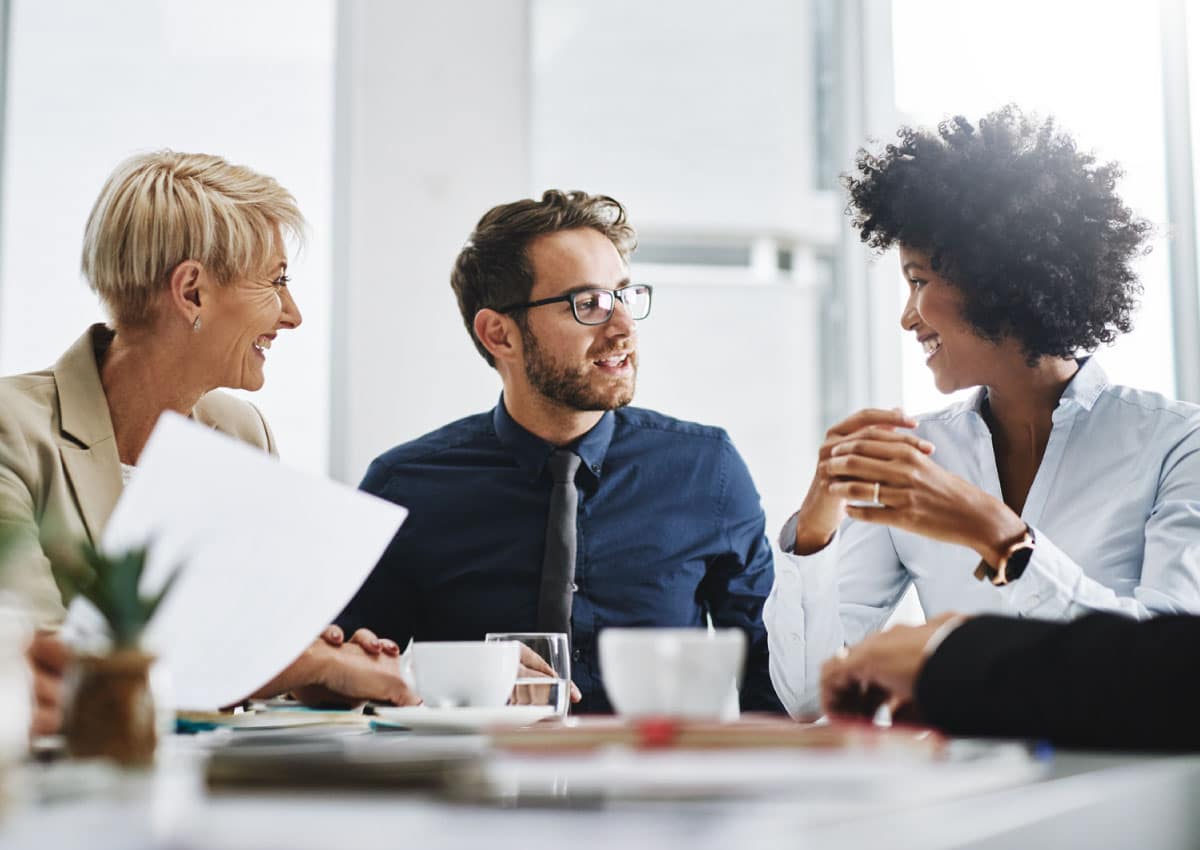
(670, 529)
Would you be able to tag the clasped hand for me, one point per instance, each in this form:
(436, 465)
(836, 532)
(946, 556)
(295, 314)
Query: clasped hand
(873, 456)
(334, 671)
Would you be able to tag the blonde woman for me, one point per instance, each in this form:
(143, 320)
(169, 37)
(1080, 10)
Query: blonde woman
(187, 252)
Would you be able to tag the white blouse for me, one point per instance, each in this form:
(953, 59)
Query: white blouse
(1115, 508)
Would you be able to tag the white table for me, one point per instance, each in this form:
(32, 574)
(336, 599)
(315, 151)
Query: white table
(1086, 800)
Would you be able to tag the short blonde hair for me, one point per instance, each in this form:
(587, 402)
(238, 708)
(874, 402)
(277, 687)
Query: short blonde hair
(159, 209)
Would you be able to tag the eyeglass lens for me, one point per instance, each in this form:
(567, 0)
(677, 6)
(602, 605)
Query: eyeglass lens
(594, 306)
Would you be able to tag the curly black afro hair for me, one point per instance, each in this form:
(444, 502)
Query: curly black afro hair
(1026, 226)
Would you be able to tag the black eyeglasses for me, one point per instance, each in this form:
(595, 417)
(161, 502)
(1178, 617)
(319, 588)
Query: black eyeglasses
(595, 306)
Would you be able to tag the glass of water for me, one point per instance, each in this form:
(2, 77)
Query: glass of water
(544, 678)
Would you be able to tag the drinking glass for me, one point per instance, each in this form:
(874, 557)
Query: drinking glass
(537, 687)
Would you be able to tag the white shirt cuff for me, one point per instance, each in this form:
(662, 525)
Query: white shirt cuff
(1046, 588)
(941, 633)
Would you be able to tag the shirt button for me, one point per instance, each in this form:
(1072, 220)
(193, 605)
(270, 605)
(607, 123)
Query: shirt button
(1033, 602)
(576, 655)
(596, 468)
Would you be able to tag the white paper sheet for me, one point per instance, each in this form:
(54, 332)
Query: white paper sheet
(271, 555)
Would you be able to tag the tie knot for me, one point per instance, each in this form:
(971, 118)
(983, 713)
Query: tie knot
(563, 466)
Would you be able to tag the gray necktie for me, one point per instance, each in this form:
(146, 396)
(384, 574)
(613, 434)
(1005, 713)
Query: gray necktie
(558, 563)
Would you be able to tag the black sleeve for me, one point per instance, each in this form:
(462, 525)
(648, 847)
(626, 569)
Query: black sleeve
(1103, 681)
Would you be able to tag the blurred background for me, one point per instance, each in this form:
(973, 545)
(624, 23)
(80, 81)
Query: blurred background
(722, 126)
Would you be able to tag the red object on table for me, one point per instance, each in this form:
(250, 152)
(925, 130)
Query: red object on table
(656, 732)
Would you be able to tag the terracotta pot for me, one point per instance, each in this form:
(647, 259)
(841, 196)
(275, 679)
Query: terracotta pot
(110, 710)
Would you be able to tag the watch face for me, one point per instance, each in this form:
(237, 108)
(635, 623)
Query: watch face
(1017, 562)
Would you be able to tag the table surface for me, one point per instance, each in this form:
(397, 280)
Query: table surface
(986, 795)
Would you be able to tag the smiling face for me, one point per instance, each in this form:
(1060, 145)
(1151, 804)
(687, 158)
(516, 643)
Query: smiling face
(241, 320)
(957, 356)
(580, 367)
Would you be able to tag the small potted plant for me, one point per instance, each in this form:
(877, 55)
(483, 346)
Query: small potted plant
(109, 711)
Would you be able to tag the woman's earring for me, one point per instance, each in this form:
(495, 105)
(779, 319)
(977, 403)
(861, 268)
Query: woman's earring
(196, 324)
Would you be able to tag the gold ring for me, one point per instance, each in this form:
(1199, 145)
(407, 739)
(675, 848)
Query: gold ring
(875, 497)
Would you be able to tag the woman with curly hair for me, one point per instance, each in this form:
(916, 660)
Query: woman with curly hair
(1051, 492)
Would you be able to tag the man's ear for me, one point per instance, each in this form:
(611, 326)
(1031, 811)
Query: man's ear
(187, 290)
(498, 334)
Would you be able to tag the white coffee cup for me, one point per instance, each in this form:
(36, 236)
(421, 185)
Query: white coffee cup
(465, 673)
(690, 673)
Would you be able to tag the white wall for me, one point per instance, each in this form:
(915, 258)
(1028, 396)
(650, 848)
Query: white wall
(696, 116)
(431, 132)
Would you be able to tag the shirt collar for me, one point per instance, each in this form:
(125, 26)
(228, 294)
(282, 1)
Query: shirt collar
(532, 452)
(1085, 387)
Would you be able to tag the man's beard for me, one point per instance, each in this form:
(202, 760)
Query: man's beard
(568, 388)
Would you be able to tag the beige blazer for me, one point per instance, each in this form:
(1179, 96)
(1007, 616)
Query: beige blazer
(60, 476)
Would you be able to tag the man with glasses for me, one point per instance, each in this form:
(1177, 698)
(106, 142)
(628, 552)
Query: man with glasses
(563, 509)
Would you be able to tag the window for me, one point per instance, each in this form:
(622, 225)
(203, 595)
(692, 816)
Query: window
(1097, 69)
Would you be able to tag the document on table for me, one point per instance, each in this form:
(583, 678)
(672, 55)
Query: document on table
(269, 556)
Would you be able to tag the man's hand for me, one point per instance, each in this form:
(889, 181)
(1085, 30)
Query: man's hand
(348, 674)
(333, 672)
(533, 666)
(367, 639)
(48, 658)
(883, 669)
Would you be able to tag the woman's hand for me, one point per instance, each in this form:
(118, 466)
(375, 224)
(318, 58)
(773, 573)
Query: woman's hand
(824, 509)
(916, 494)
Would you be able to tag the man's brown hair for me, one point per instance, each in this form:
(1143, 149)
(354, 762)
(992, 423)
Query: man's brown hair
(493, 269)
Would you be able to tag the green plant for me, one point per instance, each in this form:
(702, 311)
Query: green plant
(110, 582)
